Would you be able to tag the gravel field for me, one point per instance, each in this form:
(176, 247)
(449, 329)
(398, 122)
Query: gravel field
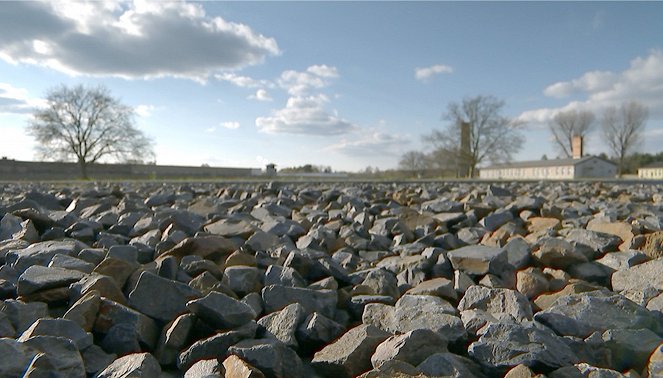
(458, 279)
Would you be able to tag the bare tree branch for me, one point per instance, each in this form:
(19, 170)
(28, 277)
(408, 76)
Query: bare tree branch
(623, 128)
(86, 125)
(565, 125)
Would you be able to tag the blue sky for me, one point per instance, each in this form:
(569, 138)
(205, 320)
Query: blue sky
(343, 84)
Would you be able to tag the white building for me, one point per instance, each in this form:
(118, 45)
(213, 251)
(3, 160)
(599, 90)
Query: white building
(555, 169)
(653, 171)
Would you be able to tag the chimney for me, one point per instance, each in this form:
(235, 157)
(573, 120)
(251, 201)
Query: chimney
(576, 147)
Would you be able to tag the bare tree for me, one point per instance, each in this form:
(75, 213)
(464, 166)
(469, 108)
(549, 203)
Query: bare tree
(565, 125)
(623, 127)
(492, 136)
(414, 161)
(86, 125)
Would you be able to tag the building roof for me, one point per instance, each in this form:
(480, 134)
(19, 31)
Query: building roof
(656, 164)
(546, 163)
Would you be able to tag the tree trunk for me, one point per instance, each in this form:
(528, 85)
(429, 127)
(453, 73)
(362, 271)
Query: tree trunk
(620, 171)
(83, 164)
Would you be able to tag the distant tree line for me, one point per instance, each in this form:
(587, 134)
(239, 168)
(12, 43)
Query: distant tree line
(307, 168)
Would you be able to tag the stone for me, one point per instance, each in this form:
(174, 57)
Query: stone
(130, 326)
(382, 282)
(479, 260)
(105, 286)
(71, 263)
(443, 364)
(133, 365)
(16, 357)
(520, 371)
(518, 252)
(655, 364)
(215, 346)
(271, 357)
(558, 253)
(285, 276)
(37, 278)
(96, 359)
(230, 227)
(598, 243)
(276, 297)
(495, 220)
(499, 303)
(161, 298)
(262, 241)
(211, 247)
(221, 311)
(412, 347)
(316, 331)
(350, 354)
(243, 279)
(237, 368)
(41, 253)
(531, 282)
(622, 260)
(61, 357)
(630, 348)
(211, 368)
(441, 287)
(283, 324)
(505, 345)
(545, 301)
(60, 328)
(22, 315)
(645, 277)
(622, 230)
(580, 315)
(415, 312)
(653, 246)
(119, 270)
(174, 337)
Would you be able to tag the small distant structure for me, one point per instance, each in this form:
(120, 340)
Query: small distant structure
(270, 170)
(465, 151)
(652, 171)
(578, 166)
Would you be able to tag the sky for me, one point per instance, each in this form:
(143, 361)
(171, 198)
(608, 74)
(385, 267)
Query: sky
(341, 84)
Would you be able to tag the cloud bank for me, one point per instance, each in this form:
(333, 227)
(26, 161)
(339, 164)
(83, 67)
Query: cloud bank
(642, 81)
(131, 40)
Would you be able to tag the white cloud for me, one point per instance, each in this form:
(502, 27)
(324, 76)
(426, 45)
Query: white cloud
(426, 73)
(242, 81)
(301, 83)
(145, 110)
(230, 125)
(372, 143)
(16, 100)
(210, 129)
(261, 95)
(642, 82)
(137, 39)
(304, 115)
(323, 71)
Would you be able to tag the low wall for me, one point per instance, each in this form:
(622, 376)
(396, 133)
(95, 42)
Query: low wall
(12, 170)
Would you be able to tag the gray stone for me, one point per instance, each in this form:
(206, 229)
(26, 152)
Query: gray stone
(630, 348)
(580, 315)
(132, 366)
(140, 329)
(276, 297)
(272, 357)
(215, 346)
(22, 315)
(441, 287)
(316, 331)
(283, 324)
(500, 303)
(231, 228)
(41, 253)
(221, 311)
(382, 282)
(412, 347)
(243, 279)
(495, 220)
(96, 359)
(504, 345)
(60, 354)
(61, 328)
(599, 242)
(479, 259)
(37, 278)
(558, 253)
(285, 276)
(518, 253)
(622, 260)
(211, 368)
(16, 357)
(174, 336)
(71, 263)
(450, 365)
(161, 298)
(350, 355)
(640, 278)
